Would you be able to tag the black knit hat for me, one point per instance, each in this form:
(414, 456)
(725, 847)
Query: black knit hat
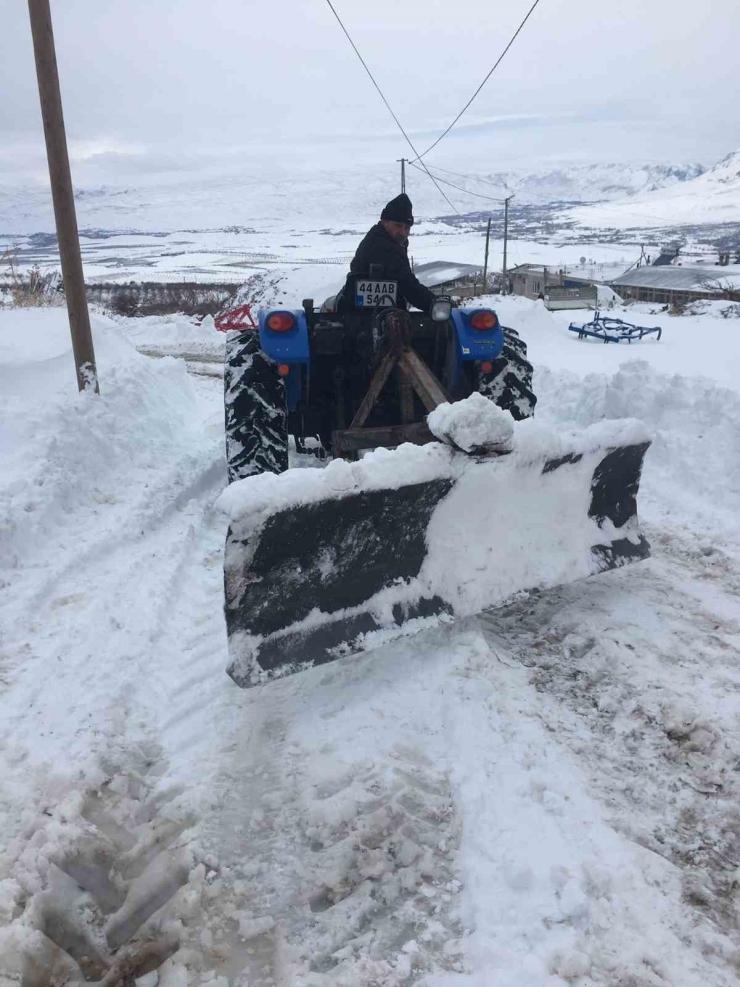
(399, 209)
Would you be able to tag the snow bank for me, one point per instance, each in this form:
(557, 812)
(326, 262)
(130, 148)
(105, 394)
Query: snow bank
(175, 335)
(64, 452)
(99, 500)
(690, 345)
(288, 285)
(715, 310)
(693, 469)
(685, 388)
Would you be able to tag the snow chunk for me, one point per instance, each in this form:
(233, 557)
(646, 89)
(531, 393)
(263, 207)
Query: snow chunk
(570, 964)
(173, 974)
(10, 891)
(250, 928)
(473, 425)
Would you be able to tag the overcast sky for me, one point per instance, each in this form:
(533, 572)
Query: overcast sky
(180, 86)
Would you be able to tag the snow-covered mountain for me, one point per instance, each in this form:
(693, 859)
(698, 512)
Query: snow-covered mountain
(291, 194)
(711, 197)
(589, 182)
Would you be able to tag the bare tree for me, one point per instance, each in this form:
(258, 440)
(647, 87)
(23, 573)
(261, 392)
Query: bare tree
(722, 289)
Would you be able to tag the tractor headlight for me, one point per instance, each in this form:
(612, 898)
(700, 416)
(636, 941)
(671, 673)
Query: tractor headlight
(441, 310)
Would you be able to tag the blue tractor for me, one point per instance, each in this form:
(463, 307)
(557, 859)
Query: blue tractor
(343, 381)
(313, 571)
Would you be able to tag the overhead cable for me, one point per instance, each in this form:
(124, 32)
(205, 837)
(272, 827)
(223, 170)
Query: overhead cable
(472, 178)
(495, 66)
(388, 105)
(445, 181)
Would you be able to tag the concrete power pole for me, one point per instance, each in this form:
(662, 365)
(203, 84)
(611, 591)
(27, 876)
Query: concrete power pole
(506, 240)
(485, 260)
(403, 172)
(61, 191)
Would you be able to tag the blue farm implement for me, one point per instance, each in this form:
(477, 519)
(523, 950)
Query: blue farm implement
(610, 330)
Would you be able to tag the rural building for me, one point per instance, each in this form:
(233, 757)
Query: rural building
(671, 285)
(559, 290)
(569, 296)
(531, 280)
(449, 278)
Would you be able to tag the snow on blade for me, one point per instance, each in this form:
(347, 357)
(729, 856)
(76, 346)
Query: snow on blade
(473, 425)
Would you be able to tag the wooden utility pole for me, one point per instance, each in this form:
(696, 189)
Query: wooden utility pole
(61, 191)
(506, 240)
(403, 172)
(485, 259)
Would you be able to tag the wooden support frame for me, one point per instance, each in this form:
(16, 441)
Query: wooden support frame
(413, 375)
(380, 376)
(405, 396)
(352, 440)
(422, 379)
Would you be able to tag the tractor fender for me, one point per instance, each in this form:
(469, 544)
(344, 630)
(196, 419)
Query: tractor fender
(291, 348)
(285, 347)
(476, 344)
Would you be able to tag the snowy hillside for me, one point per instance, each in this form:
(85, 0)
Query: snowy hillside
(711, 197)
(292, 193)
(542, 796)
(584, 182)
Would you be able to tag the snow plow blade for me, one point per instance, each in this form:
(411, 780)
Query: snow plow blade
(324, 563)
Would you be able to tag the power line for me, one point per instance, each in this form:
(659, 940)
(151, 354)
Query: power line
(388, 105)
(495, 66)
(444, 181)
(471, 178)
(676, 191)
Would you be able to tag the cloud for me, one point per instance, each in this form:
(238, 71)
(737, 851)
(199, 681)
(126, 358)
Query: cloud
(154, 86)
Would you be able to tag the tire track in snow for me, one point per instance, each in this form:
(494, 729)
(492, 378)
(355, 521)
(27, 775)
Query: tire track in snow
(638, 674)
(115, 599)
(107, 638)
(119, 860)
(151, 512)
(326, 884)
(320, 877)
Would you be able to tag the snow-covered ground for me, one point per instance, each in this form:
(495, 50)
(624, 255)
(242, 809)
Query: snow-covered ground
(542, 795)
(226, 228)
(318, 256)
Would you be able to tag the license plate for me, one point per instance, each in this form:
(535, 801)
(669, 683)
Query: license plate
(368, 294)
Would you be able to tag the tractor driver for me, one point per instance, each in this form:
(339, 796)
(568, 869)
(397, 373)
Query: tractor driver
(385, 247)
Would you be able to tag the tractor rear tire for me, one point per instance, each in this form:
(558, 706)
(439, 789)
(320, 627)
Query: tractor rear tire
(509, 383)
(256, 414)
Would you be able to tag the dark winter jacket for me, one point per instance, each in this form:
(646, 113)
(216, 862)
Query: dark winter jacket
(379, 247)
